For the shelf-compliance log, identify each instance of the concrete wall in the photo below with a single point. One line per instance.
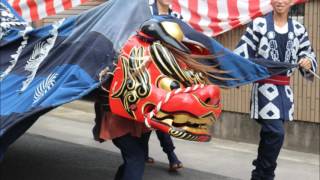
(300, 136)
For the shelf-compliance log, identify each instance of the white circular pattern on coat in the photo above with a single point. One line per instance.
(291, 35)
(271, 34)
(270, 111)
(269, 91)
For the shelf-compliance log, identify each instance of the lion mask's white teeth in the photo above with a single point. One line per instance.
(183, 135)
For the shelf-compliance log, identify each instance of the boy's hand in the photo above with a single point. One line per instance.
(305, 63)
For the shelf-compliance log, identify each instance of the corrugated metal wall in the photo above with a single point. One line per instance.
(307, 95)
(73, 11)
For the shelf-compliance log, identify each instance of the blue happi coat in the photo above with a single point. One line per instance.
(261, 40)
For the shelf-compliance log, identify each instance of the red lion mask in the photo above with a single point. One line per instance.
(151, 86)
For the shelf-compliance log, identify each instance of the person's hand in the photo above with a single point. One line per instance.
(305, 63)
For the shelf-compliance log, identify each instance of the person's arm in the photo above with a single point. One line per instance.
(306, 56)
(248, 44)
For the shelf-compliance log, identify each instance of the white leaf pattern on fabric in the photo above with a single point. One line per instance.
(8, 20)
(40, 52)
(15, 57)
(44, 87)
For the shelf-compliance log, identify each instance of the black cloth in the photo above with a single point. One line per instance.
(133, 153)
(282, 40)
(167, 146)
(165, 142)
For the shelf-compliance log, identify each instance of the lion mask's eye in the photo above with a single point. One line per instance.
(168, 84)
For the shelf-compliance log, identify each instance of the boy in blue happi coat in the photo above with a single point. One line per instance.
(278, 38)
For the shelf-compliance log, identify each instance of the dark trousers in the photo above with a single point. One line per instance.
(2, 151)
(271, 140)
(133, 153)
(167, 147)
(165, 142)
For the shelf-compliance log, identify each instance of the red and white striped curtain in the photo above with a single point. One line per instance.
(32, 10)
(213, 17)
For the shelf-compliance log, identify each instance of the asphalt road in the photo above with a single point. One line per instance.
(59, 146)
(35, 157)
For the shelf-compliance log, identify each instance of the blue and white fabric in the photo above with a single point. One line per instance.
(269, 101)
(43, 68)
